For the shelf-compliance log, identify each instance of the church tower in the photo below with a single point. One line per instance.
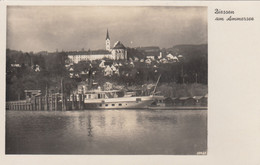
(107, 41)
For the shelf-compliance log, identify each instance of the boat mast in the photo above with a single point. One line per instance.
(156, 84)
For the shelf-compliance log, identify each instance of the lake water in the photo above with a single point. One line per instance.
(130, 132)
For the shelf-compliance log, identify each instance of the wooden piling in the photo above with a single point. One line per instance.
(40, 103)
(46, 99)
(63, 104)
(73, 102)
(50, 103)
(79, 103)
(56, 102)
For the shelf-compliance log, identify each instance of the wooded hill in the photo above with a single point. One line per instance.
(22, 73)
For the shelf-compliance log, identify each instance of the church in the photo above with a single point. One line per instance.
(118, 52)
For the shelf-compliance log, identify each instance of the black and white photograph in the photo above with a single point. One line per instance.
(106, 80)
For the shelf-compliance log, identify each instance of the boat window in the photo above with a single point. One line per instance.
(138, 99)
(100, 105)
(113, 104)
(106, 105)
(120, 104)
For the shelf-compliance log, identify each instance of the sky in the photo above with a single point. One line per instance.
(70, 28)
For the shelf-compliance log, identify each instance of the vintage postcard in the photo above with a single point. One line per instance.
(130, 81)
(98, 80)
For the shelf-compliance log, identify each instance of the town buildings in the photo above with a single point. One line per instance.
(118, 52)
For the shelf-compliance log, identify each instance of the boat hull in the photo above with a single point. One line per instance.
(120, 103)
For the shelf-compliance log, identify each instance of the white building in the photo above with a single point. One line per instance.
(118, 52)
(85, 56)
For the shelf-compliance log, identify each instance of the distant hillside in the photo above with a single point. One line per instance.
(189, 52)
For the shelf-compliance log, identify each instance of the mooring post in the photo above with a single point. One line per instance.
(79, 103)
(83, 98)
(72, 102)
(33, 104)
(65, 102)
(40, 103)
(76, 101)
(56, 102)
(51, 102)
(46, 100)
(63, 108)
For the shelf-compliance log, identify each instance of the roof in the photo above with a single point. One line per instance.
(184, 98)
(33, 91)
(108, 62)
(119, 45)
(197, 97)
(98, 91)
(90, 52)
(170, 55)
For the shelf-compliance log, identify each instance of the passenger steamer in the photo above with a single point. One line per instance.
(119, 100)
(112, 100)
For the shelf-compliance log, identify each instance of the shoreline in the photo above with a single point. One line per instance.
(178, 108)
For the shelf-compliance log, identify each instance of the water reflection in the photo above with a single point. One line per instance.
(163, 119)
(89, 126)
(106, 132)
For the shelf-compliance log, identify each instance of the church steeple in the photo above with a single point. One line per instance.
(107, 35)
(107, 41)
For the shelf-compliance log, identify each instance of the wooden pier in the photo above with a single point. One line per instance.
(51, 102)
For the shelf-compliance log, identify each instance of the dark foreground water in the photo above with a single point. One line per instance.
(107, 132)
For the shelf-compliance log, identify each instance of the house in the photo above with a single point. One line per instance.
(37, 68)
(116, 72)
(115, 64)
(169, 56)
(163, 60)
(108, 71)
(102, 64)
(71, 69)
(172, 58)
(136, 59)
(184, 101)
(132, 64)
(15, 65)
(160, 55)
(113, 68)
(150, 57)
(84, 72)
(148, 61)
